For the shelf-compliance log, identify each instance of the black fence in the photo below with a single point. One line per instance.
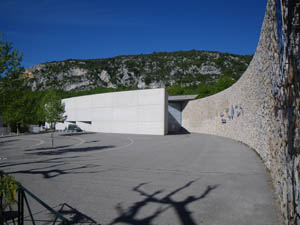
(21, 213)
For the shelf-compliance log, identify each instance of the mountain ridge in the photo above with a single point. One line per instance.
(159, 69)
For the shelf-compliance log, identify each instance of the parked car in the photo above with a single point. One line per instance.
(74, 128)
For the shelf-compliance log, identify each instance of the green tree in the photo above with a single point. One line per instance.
(11, 85)
(223, 83)
(10, 59)
(10, 71)
(18, 112)
(52, 110)
(148, 80)
(205, 90)
(175, 89)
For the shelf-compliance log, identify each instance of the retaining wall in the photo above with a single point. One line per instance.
(262, 108)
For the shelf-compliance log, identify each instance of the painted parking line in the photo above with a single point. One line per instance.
(40, 142)
(81, 141)
(131, 141)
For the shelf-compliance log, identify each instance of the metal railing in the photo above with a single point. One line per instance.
(18, 217)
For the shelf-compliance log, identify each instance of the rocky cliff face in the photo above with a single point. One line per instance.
(140, 71)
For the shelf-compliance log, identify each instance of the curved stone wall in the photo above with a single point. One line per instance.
(262, 108)
(241, 112)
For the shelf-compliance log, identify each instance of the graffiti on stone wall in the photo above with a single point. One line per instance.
(232, 112)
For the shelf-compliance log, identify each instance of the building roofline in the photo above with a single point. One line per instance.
(181, 98)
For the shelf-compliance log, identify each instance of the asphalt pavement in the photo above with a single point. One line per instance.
(141, 179)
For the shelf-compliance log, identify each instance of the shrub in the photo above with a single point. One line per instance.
(8, 191)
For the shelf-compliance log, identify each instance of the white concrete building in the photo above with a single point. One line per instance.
(134, 112)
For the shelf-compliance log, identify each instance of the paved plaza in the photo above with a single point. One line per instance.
(141, 180)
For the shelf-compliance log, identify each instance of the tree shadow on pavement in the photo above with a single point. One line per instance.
(8, 141)
(57, 160)
(92, 141)
(76, 134)
(130, 215)
(47, 148)
(52, 171)
(70, 150)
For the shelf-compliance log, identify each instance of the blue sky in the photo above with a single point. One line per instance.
(49, 30)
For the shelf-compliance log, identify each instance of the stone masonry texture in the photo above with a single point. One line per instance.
(262, 109)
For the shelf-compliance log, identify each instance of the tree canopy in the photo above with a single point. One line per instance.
(12, 98)
(19, 106)
(52, 109)
(10, 59)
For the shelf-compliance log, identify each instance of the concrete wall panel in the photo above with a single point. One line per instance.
(60, 126)
(146, 113)
(125, 127)
(128, 114)
(125, 99)
(83, 114)
(102, 114)
(152, 97)
(101, 100)
(155, 128)
(136, 112)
